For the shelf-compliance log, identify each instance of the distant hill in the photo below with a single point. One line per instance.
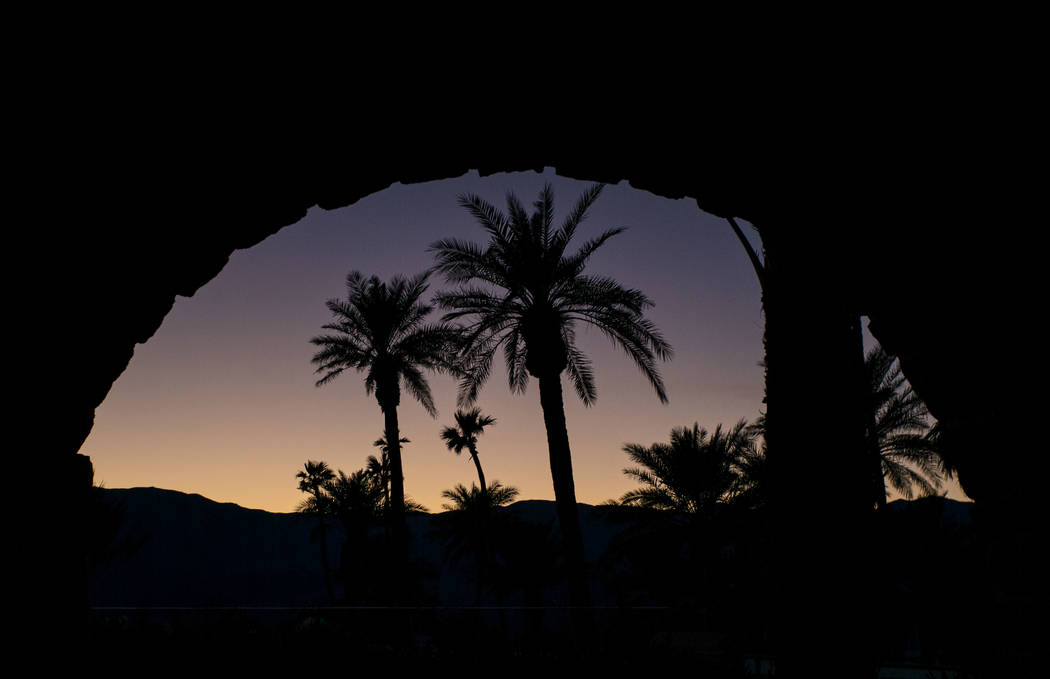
(195, 552)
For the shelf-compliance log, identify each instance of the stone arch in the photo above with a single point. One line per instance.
(168, 225)
(137, 269)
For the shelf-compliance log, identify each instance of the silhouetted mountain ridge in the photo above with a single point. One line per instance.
(196, 552)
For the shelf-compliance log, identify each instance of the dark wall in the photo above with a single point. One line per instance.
(858, 224)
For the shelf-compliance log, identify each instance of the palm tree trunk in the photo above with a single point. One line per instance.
(324, 560)
(880, 486)
(479, 567)
(564, 489)
(481, 474)
(397, 477)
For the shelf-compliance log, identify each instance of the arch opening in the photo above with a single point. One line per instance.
(261, 310)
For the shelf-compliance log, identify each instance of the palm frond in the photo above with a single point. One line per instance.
(581, 374)
(910, 457)
(573, 266)
(577, 214)
(490, 218)
(515, 355)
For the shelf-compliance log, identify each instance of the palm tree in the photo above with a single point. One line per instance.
(355, 499)
(686, 505)
(380, 330)
(752, 468)
(313, 479)
(523, 292)
(694, 473)
(469, 425)
(902, 446)
(379, 467)
(472, 525)
(461, 499)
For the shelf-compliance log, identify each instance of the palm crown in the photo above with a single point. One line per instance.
(694, 472)
(469, 425)
(356, 498)
(380, 329)
(531, 293)
(461, 499)
(314, 476)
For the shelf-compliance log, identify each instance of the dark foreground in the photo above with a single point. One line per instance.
(217, 581)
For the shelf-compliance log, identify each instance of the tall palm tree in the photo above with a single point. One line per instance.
(903, 448)
(380, 329)
(312, 480)
(469, 425)
(525, 292)
(694, 473)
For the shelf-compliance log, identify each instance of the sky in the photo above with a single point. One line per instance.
(222, 400)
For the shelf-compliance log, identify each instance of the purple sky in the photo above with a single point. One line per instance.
(222, 402)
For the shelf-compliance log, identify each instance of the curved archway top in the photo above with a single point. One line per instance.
(234, 202)
(136, 263)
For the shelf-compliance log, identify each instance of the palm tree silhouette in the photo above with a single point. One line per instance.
(380, 330)
(472, 526)
(694, 473)
(313, 479)
(379, 468)
(903, 448)
(355, 499)
(469, 425)
(752, 466)
(530, 296)
(461, 499)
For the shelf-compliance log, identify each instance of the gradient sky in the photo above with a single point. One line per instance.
(222, 402)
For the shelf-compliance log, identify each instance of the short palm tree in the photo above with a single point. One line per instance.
(694, 473)
(752, 468)
(904, 451)
(380, 329)
(355, 499)
(469, 425)
(472, 526)
(461, 499)
(312, 480)
(524, 292)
